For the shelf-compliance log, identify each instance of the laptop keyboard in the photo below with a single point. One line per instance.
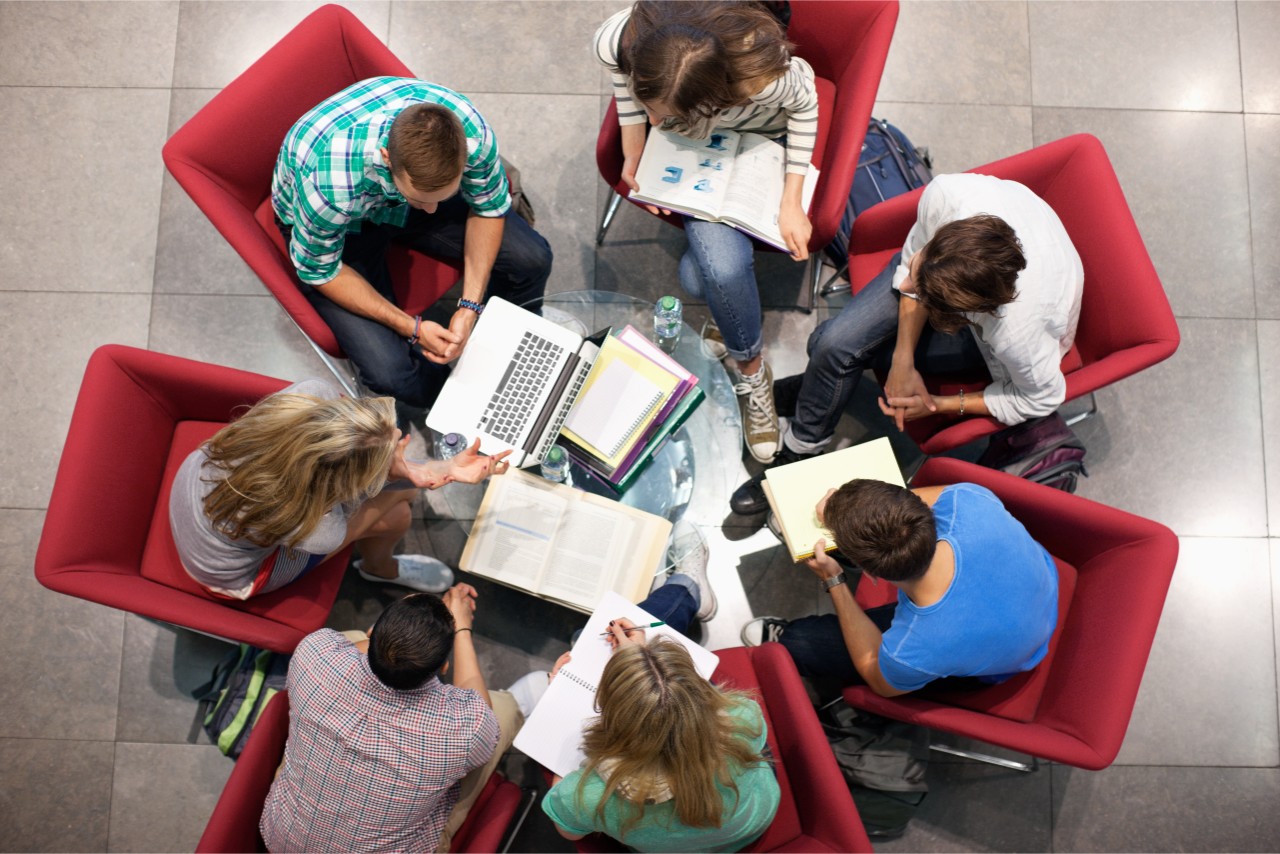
(508, 411)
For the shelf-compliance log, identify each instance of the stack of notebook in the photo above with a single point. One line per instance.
(632, 401)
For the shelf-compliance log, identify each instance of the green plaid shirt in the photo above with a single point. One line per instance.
(330, 175)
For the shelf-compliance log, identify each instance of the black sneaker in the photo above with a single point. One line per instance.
(763, 630)
(748, 499)
(786, 392)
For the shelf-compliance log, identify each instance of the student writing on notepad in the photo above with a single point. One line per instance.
(977, 596)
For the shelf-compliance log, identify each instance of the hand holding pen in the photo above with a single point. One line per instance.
(622, 632)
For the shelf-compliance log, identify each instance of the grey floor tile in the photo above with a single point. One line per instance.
(55, 795)
(640, 256)
(163, 794)
(545, 46)
(1269, 360)
(248, 332)
(733, 556)
(961, 136)
(1137, 436)
(191, 256)
(108, 167)
(46, 365)
(161, 668)
(1201, 251)
(1275, 607)
(558, 171)
(218, 40)
(1135, 55)
(73, 691)
(968, 71)
(66, 44)
(1166, 809)
(1262, 139)
(1216, 634)
(1259, 24)
(974, 807)
(774, 585)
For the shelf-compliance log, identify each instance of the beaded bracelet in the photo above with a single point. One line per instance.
(474, 306)
(417, 327)
(962, 403)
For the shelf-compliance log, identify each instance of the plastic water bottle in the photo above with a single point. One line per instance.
(667, 323)
(555, 465)
(450, 445)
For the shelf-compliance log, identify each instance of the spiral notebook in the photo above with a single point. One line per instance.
(553, 733)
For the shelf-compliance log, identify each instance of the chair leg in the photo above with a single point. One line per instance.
(614, 201)
(530, 797)
(990, 760)
(349, 383)
(830, 287)
(813, 274)
(1087, 413)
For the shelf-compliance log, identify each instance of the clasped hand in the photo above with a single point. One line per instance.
(905, 396)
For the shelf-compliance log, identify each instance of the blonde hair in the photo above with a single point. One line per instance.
(662, 726)
(291, 459)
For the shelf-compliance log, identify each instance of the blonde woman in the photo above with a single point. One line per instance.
(299, 477)
(673, 763)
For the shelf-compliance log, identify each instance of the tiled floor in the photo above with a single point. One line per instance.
(97, 738)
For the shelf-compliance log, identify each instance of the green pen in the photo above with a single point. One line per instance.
(652, 625)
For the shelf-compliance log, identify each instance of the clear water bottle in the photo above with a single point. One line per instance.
(450, 445)
(555, 465)
(667, 323)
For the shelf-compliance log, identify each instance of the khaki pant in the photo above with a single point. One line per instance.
(509, 722)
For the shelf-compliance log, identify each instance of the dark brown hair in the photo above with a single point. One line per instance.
(886, 530)
(701, 57)
(969, 266)
(427, 143)
(411, 641)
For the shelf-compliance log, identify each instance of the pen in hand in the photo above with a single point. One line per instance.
(652, 625)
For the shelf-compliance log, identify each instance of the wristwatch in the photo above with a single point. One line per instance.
(833, 581)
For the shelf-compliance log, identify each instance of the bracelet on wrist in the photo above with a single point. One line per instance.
(417, 328)
(833, 582)
(962, 403)
(463, 629)
(471, 304)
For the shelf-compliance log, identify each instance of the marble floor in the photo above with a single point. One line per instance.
(98, 741)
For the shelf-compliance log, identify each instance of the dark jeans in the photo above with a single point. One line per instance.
(674, 603)
(863, 336)
(386, 362)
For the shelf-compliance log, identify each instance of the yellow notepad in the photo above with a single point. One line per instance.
(794, 490)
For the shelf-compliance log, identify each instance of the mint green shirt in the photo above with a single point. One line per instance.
(744, 818)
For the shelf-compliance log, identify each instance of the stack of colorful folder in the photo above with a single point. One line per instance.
(633, 400)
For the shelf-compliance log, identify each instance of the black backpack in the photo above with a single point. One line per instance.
(884, 762)
(240, 688)
(1043, 450)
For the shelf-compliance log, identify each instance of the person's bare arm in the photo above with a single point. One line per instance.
(461, 602)
(352, 292)
(793, 222)
(904, 381)
(480, 244)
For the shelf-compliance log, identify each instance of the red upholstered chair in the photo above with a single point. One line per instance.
(1114, 570)
(225, 155)
(233, 827)
(816, 812)
(106, 536)
(1126, 323)
(847, 44)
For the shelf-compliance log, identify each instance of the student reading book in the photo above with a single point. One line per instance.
(794, 490)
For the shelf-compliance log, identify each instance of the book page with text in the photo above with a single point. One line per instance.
(515, 528)
(594, 547)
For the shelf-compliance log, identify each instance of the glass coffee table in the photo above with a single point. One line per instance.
(693, 475)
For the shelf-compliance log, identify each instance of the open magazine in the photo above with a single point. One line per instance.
(730, 177)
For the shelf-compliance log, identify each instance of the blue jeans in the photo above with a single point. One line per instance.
(386, 362)
(719, 266)
(861, 336)
(675, 602)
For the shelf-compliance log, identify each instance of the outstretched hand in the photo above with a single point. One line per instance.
(470, 466)
(430, 474)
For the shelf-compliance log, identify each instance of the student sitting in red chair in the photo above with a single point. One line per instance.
(977, 596)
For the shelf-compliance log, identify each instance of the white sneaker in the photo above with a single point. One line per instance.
(690, 554)
(712, 341)
(759, 418)
(417, 572)
(528, 690)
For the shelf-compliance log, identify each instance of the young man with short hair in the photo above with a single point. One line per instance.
(987, 279)
(382, 755)
(400, 160)
(977, 596)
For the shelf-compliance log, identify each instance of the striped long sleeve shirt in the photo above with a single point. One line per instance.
(330, 175)
(787, 105)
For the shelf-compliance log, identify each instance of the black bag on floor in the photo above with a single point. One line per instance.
(240, 688)
(884, 762)
(1043, 450)
(888, 165)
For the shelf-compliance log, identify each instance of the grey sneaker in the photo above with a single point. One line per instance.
(763, 630)
(713, 341)
(690, 554)
(759, 418)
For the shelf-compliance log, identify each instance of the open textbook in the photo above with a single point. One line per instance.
(563, 544)
(795, 489)
(553, 733)
(730, 177)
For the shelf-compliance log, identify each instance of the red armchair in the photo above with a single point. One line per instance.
(847, 44)
(225, 155)
(816, 812)
(1126, 323)
(233, 827)
(106, 536)
(1074, 707)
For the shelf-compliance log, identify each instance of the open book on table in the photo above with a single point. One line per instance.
(563, 544)
(553, 733)
(730, 177)
(795, 489)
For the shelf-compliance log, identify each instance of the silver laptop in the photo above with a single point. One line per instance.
(514, 383)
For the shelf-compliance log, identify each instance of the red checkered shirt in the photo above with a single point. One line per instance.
(366, 767)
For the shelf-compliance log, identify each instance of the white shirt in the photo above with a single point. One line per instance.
(1023, 342)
